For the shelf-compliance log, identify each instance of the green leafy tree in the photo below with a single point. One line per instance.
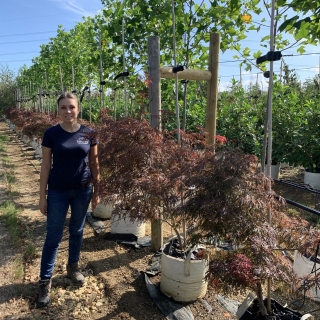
(7, 87)
(240, 118)
(304, 24)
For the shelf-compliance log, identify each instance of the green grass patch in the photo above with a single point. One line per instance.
(12, 192)
(3, 139)
(7, 165)
(10, 177)
(30, 252)
(10, 217)
(18, 268)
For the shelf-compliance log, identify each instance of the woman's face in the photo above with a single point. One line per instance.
(68, 110)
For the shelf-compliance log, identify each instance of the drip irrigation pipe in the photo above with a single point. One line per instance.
(305, 187)
(301, 206)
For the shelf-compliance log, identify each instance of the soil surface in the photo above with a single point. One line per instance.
(115, 281)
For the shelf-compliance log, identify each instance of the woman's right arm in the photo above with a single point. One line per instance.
(44, 176)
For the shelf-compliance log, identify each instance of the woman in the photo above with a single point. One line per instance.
(70, 170)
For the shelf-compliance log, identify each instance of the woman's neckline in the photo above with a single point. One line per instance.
(70, 130)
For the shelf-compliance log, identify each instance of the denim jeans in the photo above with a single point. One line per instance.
(58, 204)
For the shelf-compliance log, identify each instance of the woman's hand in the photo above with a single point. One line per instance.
(94, 200)
(43, 206)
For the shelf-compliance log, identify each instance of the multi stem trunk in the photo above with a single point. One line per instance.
(175, 228)
(262, 309)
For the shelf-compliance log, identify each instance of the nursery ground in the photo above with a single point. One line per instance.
(115, 287)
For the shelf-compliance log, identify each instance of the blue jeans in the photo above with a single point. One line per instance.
(58, 204)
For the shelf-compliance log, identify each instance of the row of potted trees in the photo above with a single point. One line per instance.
(212, 196)
(217, 196)
(295, 122)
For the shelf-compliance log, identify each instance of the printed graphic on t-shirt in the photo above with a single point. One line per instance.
(82, 140)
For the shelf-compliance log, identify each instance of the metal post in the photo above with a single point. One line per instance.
(101, 74)
(176, 74)
(269, 113)
(124, 70)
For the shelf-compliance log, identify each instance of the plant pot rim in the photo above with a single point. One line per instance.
(255, 304)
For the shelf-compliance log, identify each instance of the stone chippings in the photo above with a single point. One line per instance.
(77, 302)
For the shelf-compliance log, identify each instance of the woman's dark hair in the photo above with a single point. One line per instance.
(68, 95)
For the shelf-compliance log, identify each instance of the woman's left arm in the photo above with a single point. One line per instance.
(95, 173)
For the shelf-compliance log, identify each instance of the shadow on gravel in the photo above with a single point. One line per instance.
(143, 302)
(114, 258)
(17, 291)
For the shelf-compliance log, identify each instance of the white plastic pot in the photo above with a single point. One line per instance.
(18, 131)
(103, 211)
(125, 225)
(303, 267)
(34, 143)
(25, 139)
(284, 165)
(38, 152)
(183, 280)
(312, 178)
(275, 170)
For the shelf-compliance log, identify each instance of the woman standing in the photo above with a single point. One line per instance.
(70, 170)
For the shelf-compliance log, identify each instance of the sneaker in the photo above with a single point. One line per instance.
(44, 293)
(75, 275)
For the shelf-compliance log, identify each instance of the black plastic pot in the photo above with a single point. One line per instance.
(278, 312)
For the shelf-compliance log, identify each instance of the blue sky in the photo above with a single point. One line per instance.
(26, 24)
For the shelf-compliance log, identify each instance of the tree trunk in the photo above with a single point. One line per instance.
(262, 308)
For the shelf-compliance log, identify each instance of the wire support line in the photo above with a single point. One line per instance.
(27, 34)
(10, 53)
(16, 42)
(303, 54)
(255, 73)
(16, 60)
(285, 55)
(45, 16)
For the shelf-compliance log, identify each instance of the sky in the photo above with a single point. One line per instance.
(26, 24)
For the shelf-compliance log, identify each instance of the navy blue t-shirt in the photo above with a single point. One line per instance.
(70, 157)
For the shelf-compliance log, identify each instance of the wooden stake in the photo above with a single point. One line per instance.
(115, 104)
(19, 98)
(40, 99)
(61, 79)
(154, 83)
(90, 105)
(155, 121)
(72, 78)
(47, 92)
(212, 88)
